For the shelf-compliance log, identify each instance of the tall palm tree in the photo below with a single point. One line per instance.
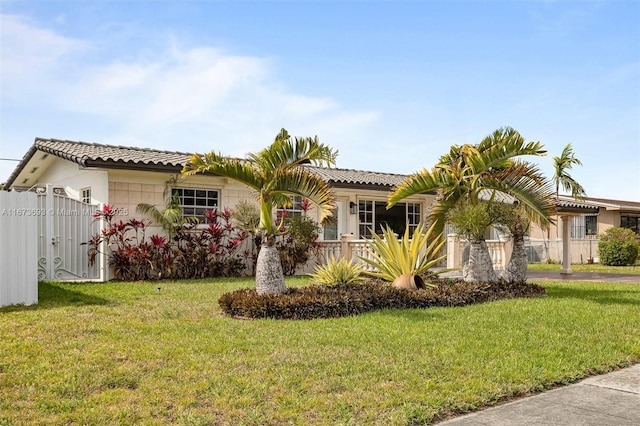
(561, 176)
(490, 169)
(275, 173)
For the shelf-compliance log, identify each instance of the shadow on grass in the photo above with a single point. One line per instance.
(50, 295)
(602, 296)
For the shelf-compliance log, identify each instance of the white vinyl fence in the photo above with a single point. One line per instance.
(18, 248)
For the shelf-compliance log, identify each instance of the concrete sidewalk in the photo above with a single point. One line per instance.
(611, 399)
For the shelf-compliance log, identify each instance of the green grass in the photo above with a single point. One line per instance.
(128, 353)
(585, 267)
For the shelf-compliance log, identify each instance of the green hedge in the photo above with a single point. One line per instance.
(320, 301)
(618, 247)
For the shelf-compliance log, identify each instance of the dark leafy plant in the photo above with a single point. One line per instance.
(618, 247)
(321, 301)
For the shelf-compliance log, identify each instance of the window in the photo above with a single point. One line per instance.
(294, 210)
(630, 221)
(413, 216)
(330, 230)
(577, 227)
(85, 195)
(195, 202)
(373, 215)
(582, 226)
(365, 218)
(591, 225)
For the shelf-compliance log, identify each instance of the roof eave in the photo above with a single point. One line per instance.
(21, 165)
(128, 165)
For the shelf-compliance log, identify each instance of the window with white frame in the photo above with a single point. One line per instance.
(85, 195)
(374, 215)
(195, 202)
(295, 209)
(330, 230)
(413, 216)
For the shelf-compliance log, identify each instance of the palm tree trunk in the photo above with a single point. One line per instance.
(479, 267)
(269, 276)
(516, 271)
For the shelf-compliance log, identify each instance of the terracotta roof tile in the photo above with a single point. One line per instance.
(357, 177)
(82, 152)
(99, 155)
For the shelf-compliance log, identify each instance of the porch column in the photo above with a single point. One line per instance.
(453, 252)
(345, 248)
(566, 245)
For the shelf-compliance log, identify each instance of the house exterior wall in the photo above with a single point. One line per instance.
(608, 219)
(124, 189)
(72, 178)
(128, 188)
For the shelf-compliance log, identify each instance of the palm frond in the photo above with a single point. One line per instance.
(243, 171)
(419, 183)
(300, 181)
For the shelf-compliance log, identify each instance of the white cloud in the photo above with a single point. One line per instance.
(28, 51)
(180, 98)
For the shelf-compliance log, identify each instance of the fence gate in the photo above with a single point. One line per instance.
(64, 225)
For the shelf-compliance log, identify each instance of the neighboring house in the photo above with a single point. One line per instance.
(588, 218)
(126, 176)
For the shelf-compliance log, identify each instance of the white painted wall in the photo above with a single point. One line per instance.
(19, 216)
(73, 178)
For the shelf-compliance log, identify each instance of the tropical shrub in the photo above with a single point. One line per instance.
(338, 271)
(321, 301)
(297, 242)
(194, 251)
(415, 256)
(618, 247)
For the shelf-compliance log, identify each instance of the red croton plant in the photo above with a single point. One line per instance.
(211, 249)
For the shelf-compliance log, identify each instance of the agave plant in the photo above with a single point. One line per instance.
(337, 271)
(414, 256)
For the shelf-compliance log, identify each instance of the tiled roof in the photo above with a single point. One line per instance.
(356, 177)
(601, 202)
(618, 203)
(572, 205)
(83, 153)
(111, 156)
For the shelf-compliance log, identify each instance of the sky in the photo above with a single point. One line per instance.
(390, 84)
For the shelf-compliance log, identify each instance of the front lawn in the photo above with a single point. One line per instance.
(585, 267)
(163, 353)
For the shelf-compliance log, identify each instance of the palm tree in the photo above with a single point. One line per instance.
(275, 173)
(561, 177)
(490, 169)
(170, 218)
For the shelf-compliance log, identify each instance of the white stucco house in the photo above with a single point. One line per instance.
(123, 177)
